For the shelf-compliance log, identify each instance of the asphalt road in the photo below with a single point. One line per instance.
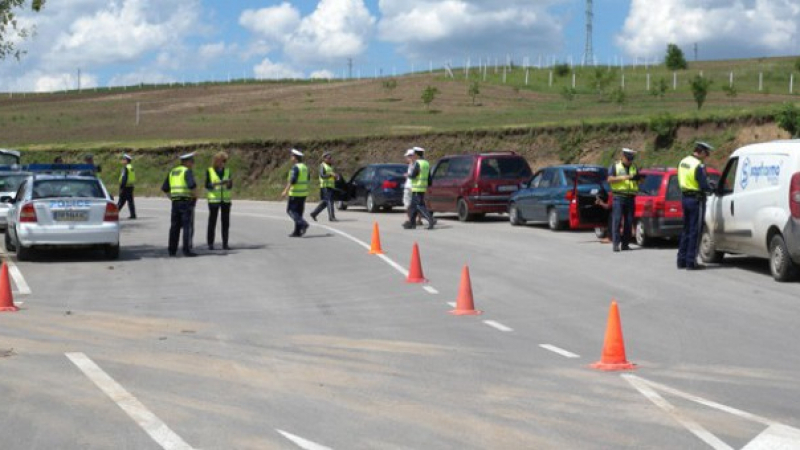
(313, 343)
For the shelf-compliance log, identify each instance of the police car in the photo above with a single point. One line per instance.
(10, 180)
(62, 208)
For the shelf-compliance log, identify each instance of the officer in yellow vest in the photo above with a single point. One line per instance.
(181, 188)
(624, 178)
(218, 186)
(127, 180)
(297, 188)
(327, 184)
(420, 177)
(694, 185)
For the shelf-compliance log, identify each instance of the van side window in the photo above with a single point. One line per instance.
(459, 168)
(548, 179)
(728, 181)
(673, 189)
(440, 172)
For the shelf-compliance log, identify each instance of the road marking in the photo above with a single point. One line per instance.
(13, 270)
(430, 290)
(452, 304)
(498, 326)
(775, 437)
(151, 424)
(560, 351)
(695, 428)
(302, 443)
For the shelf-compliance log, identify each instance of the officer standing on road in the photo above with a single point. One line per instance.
(127, 180)
(297, 190)
(623, 176)
(693, 181)
(327, 183)
(181, 188)
(420, 177)
(218, 185)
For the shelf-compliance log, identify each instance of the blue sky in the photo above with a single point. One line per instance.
(119, 42)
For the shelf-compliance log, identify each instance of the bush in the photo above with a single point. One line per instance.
(568, 93)
(788, 118)
(429, 95)
(700, 87)
(389, 85)
(562, 70)
(474, 91)
(665, 127)
(797, 64)
(675, 59)
(660, 89)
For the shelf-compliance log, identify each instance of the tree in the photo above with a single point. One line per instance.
(429, 95)
(700, 87)
(602, 81)
(675, 59)
(9, 25)
(474, 91)
(619, 97)
(568, 93)
(389, 85)
(660, 89)
(562, 70)
(730, 91)
(788, 118)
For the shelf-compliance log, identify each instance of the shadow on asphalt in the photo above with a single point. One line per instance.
(129, 253)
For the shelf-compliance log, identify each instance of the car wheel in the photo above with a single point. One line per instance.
(552, 220)
(463, 211)
(600, 232)
(708, 251)
(642, 240)
(371, 206)
(514, 217)
(111, 252)
(9, 245)
(341, 205)
(780, 263)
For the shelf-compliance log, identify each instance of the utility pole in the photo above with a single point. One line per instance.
(588, 52)
(350, 68)
(79, 80)
(695, 52)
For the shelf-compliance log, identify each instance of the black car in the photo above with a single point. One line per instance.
(375, 186)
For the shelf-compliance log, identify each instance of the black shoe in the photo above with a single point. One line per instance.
(295, 235)
(314, 216)
(189, 254)
(695, 267)
(625, 248)
(303, 230)
(132, 218)
(681, 266)
(333, 219)
(431, 224)
(211, 246)
(172, 254)
(409, 226)
(225, 247)
(616, 249)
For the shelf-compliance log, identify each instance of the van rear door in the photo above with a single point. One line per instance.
(720, 209)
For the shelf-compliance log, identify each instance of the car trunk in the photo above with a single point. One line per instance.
(69, 211)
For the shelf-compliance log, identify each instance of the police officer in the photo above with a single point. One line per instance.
(419, 176)
(694, 185)
(181, 188)
(623, 176)
(127, 180)
(327, 184)
(297, 190)
(218, 186)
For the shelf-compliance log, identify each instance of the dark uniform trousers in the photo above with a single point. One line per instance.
(213, 212)
(692, 218)
(126, 196)
(326, 194)
(622, 208)
(181, 219)
(418, 207)
(295, 208)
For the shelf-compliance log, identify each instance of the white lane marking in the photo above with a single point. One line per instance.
(385, 258)
(560, 351)
(302, 443)
(694, 427)
(776, 437)
(498, 326)
(430, 290)
(13, 270)
(452, 304)
(151, 424)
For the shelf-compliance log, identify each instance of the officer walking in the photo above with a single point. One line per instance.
(693, 181)
(127, 180)
(218, 186)
(623, 176)
(297, 190)
(181, 188)
(419, 176)
(327, 183)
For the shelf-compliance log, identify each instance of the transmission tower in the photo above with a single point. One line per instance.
(588, 52)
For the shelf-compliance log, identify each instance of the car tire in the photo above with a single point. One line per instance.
(341, 205)
(642, 240)
(552, 220)
(111, 252)
(514, 216)
(707, 249)
(780, 261)
(463, 211)
(9, 245)
(371, 206)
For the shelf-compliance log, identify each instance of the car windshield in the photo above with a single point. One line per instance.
(7, 159)
(10, 183)
(585, 176)
(391, 171)
(505, 168)
(651, 184)
(67, 188)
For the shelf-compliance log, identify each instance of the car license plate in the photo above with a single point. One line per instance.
(70, 216)
(507, 188)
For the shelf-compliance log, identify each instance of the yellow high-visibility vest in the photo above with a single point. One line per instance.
(178, 188)
(626, 187)
(686, 174)
(219, 193)
(327, 181)
(420, 183)
(300, 187)
(131, 176)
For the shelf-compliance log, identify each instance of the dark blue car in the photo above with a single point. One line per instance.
(548, 196)
(375, 186)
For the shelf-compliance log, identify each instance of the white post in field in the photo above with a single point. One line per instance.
(791, 84)
(505, 71)
(551, 78)
(674, 81)
(760, 81)
(573, 80)
(527, 76)
(648, 82)
(622, 83)
(137, 113)
(730, 81)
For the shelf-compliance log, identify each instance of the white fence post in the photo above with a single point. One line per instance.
(622, 84)
(791, 84)
(760, 81)
(527, 76)
(648, 81)
(573, 80)
(505, 71)
(551, 78)
(137, 113)
(674, 81)
(730, 83)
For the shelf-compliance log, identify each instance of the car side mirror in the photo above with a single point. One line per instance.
(7, 199)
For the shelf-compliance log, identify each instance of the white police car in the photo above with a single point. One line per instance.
(62, 211)
(10, 181)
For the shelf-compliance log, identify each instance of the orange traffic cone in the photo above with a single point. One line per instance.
(465, 306)
(6, 299)
(614, 347)
(375, 248)
(415, 271)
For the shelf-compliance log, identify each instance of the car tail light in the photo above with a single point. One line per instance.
(647, 209)
(28, 213)
(112, 213)
(659, 208)
(389, 184)
(794, 196)
(475, 190)
(570, 195)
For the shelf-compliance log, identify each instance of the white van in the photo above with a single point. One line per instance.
(755, 209)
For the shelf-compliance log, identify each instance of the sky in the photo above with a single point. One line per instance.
(124, 42)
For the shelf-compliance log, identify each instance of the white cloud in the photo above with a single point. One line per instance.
(143, 76)
(63, 81)
(276, 71)
(722, 29)
(322, 75)
(274, 23)
(455, 28)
